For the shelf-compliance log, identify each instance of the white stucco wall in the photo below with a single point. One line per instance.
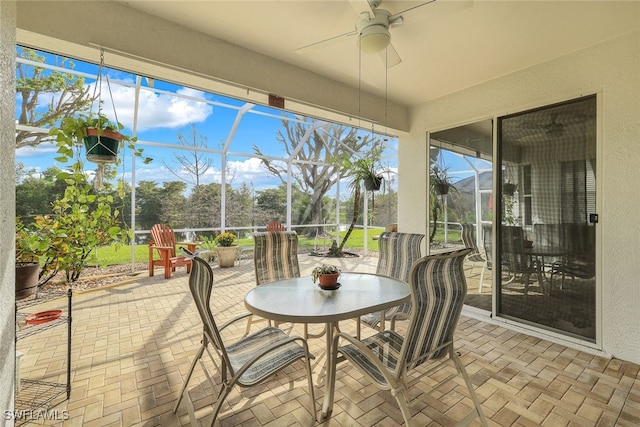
(612, 71)
(7, 207)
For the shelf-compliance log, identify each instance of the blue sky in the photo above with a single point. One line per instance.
(162, 116)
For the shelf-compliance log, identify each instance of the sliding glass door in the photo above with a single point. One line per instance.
(545, 232)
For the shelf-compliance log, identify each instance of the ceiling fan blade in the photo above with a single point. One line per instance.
(396, 15)
(390, 56)
(327, 42)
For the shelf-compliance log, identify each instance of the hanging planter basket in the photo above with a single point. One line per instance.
(508, 189)
(373, 183)
(441, 189)
(102, 148)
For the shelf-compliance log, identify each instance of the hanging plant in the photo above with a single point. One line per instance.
(101, 137)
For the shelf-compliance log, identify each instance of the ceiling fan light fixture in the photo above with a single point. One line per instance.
(374, 39)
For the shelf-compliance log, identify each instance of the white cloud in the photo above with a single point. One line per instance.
(249, 171)
(154, 110)
(42, 149)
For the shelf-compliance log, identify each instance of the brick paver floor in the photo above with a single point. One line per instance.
(133, 344)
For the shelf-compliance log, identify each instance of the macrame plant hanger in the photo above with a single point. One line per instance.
(102, 144)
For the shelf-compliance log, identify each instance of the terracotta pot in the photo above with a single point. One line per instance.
(328, 280)
(26, 278)
(226, 256)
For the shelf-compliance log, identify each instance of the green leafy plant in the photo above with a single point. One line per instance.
(361, 170)
(207, 242)
(73, 130)
(323, 269)
(81, 220)
(440, 185)
(84, 217)
(226, 239)
(30, 244)
(365, 170)
(440, 180)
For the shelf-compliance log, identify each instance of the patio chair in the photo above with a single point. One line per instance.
(579, 261)
(397, 252)
(487, 244)
(246, 362)
(389, 360)
(275, 257)
(276, 226)
(516, 262)
(163, 241)
(469, 241)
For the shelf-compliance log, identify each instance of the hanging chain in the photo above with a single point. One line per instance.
(98, 88)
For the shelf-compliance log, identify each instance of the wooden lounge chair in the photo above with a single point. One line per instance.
(163, 241)
(276, 226)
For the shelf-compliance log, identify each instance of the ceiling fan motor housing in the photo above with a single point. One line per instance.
(373, 33)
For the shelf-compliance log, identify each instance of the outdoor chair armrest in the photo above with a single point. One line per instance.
(398, 316)
(160, 247)
(365, 351)
(233, 320)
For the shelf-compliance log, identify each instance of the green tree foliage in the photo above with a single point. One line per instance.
(81, 220)
(64, 95)
(35, 192)
(239, 204)
(271, 205)
(148, 204)
(172, 205)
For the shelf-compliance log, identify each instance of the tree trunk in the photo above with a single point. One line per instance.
(434, 214)
(356, 213)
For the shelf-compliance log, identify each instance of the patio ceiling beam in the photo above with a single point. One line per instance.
(68, 28)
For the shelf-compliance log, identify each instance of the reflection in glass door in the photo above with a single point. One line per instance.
(546, 228)
(464, 216)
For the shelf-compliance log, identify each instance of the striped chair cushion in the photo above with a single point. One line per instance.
(242, 351)
(438, 288)
(469, 241)
(275, 256)
(398, 252)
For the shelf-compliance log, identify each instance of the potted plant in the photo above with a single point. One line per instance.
(208, 244)
(509, 188)
(365, 170)
(30, 245)
(441, 185)
(440, 181)
(227, 249)
(327, 276)
(101, 137)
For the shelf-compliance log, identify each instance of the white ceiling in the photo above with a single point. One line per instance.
(445, 46)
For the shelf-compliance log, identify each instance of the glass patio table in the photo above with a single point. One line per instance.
(299, 300)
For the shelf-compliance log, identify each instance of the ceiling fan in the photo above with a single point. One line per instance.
(553, 129)
(371, 31)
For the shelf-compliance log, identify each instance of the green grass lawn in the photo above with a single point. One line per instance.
(109, 255)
